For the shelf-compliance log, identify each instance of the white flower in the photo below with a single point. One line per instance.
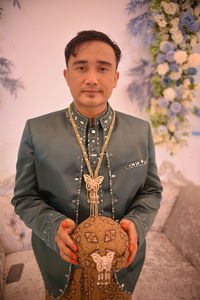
(170, 8)
(193, 40)
(160, 19)
(194, 60)
(197, 11)
(180, 57)
(162, 69)
(175, 75)
(177, 37)
(169, 94)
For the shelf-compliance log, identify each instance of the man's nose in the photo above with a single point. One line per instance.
(91, 77)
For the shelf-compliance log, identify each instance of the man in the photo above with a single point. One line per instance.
(50, 192)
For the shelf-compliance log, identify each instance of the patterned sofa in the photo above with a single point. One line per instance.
(172, 267)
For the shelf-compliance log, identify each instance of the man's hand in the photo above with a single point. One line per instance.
(129, 227)
(64, 242)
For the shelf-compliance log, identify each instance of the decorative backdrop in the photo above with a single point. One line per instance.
(166, 86)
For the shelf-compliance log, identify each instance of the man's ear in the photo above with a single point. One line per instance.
(116, 79)
(66, 75)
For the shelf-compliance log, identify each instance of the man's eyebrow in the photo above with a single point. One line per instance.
(77, 62)
(102, 62)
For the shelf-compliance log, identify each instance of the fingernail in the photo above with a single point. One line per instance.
(64, 224)
(124, 226)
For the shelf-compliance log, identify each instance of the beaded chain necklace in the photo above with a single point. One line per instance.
(92, 180)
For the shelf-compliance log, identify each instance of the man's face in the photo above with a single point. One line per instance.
(91, 75)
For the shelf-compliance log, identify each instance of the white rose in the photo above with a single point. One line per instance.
(197, 11)
(194, 60)
(180, 57)
(177, 37)
(175, 75)
(170, 8)
(162, 69)
(169, 94)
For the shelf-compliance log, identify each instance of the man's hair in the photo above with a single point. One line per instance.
(87, 36)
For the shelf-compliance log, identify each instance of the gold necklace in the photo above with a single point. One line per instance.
(92, 180)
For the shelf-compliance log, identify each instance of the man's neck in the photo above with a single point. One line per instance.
(91, 112)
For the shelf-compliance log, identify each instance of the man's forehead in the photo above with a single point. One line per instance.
(98, 48)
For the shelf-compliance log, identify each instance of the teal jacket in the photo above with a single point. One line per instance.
(49, 185)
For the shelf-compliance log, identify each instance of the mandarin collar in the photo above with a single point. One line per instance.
(82, 122)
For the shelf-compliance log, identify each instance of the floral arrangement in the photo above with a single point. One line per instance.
(165, 86)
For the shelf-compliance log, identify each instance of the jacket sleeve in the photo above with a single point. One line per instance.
(146, 203)
(29, 205)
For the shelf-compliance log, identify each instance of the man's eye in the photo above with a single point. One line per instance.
(81, 68)
(103, 69)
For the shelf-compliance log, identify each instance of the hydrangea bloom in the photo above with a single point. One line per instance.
(188, 21)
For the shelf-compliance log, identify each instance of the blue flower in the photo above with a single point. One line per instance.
(163, 102)
(173, 66)
(170, 56)
(192, 71)
(175, 107)
(166, 81)
(160, 58)
(188, 21)
(167, 46)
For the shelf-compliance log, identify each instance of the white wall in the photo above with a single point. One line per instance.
(34, 39)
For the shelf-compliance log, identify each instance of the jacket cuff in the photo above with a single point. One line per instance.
(139, 226)
(52, 223)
